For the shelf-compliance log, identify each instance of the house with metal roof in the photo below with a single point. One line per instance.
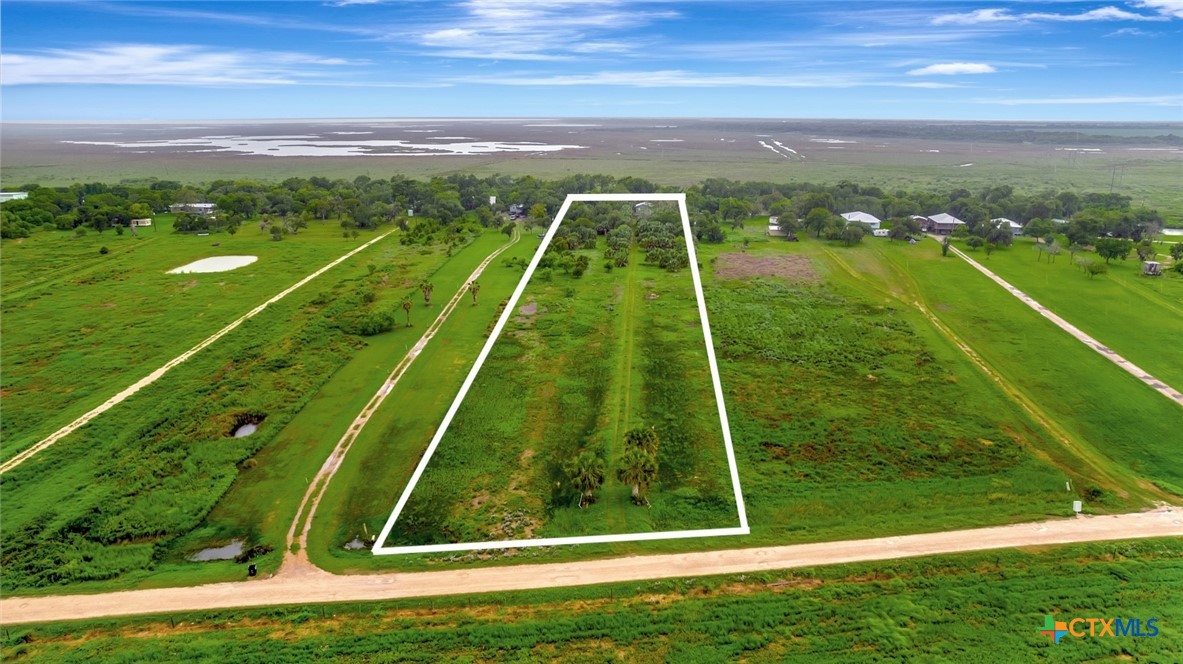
(870, 220)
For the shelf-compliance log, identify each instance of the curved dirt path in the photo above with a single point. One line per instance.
(296, 562)
(314, 586)
(156, 375)
(1106, 352)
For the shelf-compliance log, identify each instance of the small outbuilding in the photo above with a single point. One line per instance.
(1151, 269)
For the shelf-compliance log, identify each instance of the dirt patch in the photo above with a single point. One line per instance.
(528, 309)
(745, 266)
(651, 296)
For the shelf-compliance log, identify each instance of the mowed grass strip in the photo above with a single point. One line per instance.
(972, 607)
(1111, 418)
(79, 326)
(1141, 318)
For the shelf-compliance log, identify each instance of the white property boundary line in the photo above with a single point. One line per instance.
(743, 529)
(155, 375)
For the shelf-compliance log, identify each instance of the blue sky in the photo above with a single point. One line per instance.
(1046, 60)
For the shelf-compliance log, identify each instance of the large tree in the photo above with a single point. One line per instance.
(818, 219)
(1110, 248)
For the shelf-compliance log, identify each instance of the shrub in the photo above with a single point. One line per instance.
(104, 251)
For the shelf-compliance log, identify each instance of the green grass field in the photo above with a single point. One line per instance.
(79, 326)
(1123, 432)
(853, 413)
(107, 506)
(985, 607)
(582, 361)
(1139, 317)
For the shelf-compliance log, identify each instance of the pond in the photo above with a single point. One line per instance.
(245, 430)
(226, 552)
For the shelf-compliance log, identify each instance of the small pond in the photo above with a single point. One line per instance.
(244, 430)
(227, 552)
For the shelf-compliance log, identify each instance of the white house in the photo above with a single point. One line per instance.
(140, 222)
(13, 195)
(1015, 227)
(775, 229)
(870, 220)
(880, 232)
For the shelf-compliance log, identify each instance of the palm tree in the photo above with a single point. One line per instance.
(642, 439)
(638, 468)
(587, 474)
(474, 287)
(426, 286)
(407, 308)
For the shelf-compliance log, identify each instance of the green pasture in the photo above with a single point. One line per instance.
(262, 502)
(80, 326)
(1139, 317)
(1106, 423)
(601, 354)
(852, 415)
(987, 606)
(108, 506)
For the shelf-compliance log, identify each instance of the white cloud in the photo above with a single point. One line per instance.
(678, 78)
(538, 29)
(1166, 7)
(152, 64)
(951, 68)
(988, 16)
(1151, 100)
(350, 3)
(1127, 32)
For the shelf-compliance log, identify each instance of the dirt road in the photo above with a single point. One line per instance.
(156, 375)
(1106, 352)
(311, 585)
(316, 489)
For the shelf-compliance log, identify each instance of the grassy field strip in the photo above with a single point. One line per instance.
(1158, 386)
(316, 488)
(1032, 408)
(155, 375)
(317, 586)
(623, 384)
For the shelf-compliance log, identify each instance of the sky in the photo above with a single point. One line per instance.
(1120, 60)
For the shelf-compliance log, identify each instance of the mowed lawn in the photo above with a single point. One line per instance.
(1106, 423)
(79, 326)
(1139, 317)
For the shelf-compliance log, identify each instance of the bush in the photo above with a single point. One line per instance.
(104, 251)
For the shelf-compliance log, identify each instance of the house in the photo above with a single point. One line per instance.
(941, 224)
(870, 220)
(13, 195)
(192, 208)
(1059, 221)
(775, 229)
(139, 222)
(1015, 227)
(517, 211)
